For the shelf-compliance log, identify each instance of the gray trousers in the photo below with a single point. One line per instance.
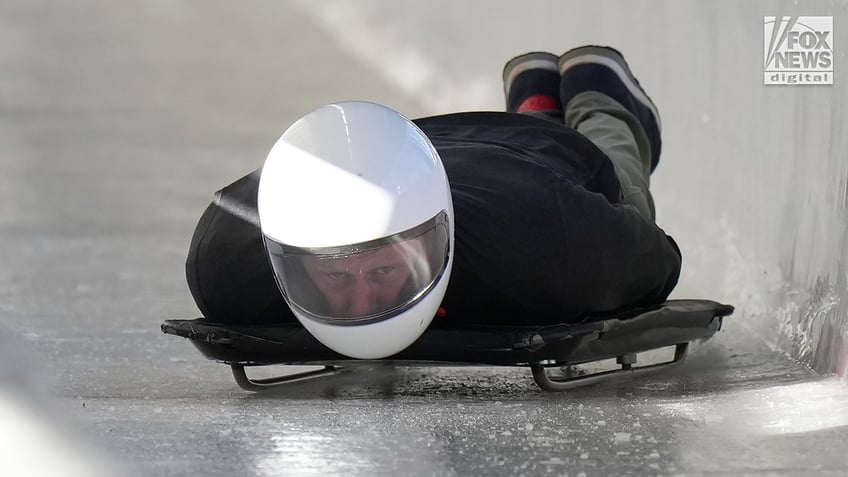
(618, 133)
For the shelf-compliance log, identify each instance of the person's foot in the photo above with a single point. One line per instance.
(531, 84)
(603, 69)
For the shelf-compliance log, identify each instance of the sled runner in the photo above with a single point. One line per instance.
(546, 349)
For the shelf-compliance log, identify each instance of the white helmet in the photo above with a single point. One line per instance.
(357, 218)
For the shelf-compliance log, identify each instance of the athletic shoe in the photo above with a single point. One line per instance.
(603, 69)
(531, 84)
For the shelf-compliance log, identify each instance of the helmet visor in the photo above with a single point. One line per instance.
(366, 282)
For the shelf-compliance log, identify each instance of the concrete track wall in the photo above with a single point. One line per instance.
(754, 179)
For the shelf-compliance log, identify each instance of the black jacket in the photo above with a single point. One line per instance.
(540, 234)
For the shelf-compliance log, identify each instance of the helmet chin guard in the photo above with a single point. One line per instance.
(356, 213)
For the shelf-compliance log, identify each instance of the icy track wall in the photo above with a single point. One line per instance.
(753, 181)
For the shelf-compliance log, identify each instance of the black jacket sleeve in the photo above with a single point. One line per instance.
(227, 269)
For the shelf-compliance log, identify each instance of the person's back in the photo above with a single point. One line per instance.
(542, 235)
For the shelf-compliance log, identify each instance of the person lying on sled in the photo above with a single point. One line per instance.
(366, 226)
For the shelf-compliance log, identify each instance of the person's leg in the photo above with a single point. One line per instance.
(616, 132)
(531, 86)
(604, 102)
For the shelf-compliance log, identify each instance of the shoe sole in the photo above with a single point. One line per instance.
(526, 62)
(614, 61)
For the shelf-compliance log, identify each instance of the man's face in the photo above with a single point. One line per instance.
(362, 284)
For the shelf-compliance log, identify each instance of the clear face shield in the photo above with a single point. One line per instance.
(366, 282)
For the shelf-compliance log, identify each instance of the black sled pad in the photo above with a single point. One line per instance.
(621, 336)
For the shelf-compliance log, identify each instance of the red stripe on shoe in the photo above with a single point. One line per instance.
(539, 102)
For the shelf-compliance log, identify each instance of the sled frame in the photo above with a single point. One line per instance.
(251, 384)
(560, 356)
(627, 370)
(540, 371)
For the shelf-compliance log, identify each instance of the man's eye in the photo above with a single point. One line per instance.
(338, 276)
(384, 270)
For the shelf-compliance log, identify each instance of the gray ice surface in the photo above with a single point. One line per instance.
(118, 120)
